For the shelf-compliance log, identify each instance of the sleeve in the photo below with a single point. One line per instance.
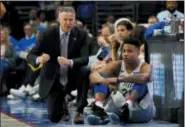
(160, 16)
(36, 51)
(83, 59)
(150, 31)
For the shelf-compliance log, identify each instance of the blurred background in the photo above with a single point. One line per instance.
(92, 14)
(164, 46)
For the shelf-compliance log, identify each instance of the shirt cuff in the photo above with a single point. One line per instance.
(22, 54)
(72, 63)
(37, 61)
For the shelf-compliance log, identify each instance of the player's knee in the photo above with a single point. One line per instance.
(139, 87)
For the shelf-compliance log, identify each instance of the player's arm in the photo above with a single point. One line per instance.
(110, 68)
(142, 78)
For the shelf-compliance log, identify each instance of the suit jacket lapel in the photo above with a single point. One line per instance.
(71, 42)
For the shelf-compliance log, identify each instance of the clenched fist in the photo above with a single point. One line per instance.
(102, 41)
(43, 58)
(63, 61)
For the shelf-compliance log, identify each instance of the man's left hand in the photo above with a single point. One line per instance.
(63, 61)
(108, 81)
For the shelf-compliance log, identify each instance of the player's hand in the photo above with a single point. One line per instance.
(95, 77)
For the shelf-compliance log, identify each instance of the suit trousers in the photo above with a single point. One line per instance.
(31, 76)
(78, 78)
(55, 102)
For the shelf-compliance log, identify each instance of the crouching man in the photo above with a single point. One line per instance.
(132, 100)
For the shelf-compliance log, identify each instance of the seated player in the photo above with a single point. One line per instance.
(132, 100)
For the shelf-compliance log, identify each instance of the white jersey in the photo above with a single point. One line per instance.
(118, 98)
(123, 87)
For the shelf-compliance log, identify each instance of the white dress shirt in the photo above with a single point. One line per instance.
(61, 32)
(162, 16)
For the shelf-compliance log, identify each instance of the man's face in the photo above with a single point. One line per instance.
(111, 19)
(122, 32)
(67, 21)
(33, 14)
(152, 21)
(105, 32)
(130, 53)
(43, 16)
(28, 30)
(171, 5)
(2, 36)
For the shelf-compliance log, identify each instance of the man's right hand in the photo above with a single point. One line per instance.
(112, 38)
(43, 58)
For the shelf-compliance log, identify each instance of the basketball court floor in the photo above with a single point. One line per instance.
(18, 113)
